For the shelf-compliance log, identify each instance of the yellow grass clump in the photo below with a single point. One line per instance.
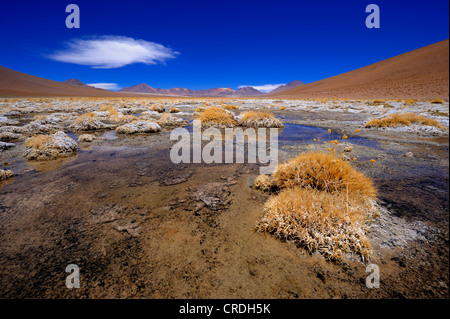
(5, 174)
(88, 121)
(264, 183)
(318, 221)
(410, 101)
(217, 117)
(86, 116)
(38, 142)
(157, 108)
(117, 117)
(48, 147)
(106, 107)
(437, 101)
(324, 205)
(324, 172)
(230, 107)
(259, 119)
(403, 119)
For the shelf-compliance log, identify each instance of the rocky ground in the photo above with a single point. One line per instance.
(139, 226)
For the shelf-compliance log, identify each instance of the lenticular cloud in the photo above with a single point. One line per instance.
(108, 52)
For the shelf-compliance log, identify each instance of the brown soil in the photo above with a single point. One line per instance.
(139, 226)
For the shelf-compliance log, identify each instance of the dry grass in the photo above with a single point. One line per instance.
(318, 221)
(218, 117)
(174, 110)
(259, 119)
(106, 107)
(324, 172)
(38, 142)
(409, 102)
(403, 119)
(5, 174)
(86, 116)
(157, 108)
(230, 107)
(88, 121)
(264, 183)
(437, 101)
(49, 147)
(117, 117)
(171, 121)
(324, 205)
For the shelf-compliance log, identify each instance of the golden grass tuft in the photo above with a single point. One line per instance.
(230, 107)
(324, 205)
(106, 107)
(409, 102)
(324, 172)
(38, 142)
(437, 101)
(118, 117)
(319, 221)
(216, 116)
(403, 119)
(260, 119)
(91, 116)
(157, 108)
(264, 183)
(5, 174)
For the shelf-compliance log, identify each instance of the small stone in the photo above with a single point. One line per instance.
(408, 154)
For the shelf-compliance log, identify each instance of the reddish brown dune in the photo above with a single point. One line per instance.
(422, 74)
(14, 83)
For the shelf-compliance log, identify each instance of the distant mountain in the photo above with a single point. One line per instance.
(215, 92)
(76, 82)
(180, 91)
(290, 85)
(247, 91)
(143, 88)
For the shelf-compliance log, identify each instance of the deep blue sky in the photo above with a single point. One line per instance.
(221, 43)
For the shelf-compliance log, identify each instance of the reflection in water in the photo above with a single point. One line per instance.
(307, 134)
(109, 135)
(6, 182)
(47, 166)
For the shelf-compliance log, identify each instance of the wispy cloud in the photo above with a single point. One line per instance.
(106, 86)
(108, 52)
(264, 88)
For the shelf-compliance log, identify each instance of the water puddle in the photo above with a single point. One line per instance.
(307, 134)
(109, 135)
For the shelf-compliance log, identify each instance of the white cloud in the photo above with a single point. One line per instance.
(106, 86)
(107, 52)
(266, 88)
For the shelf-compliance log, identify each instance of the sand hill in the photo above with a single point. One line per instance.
(14, 83)
(422, 73)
